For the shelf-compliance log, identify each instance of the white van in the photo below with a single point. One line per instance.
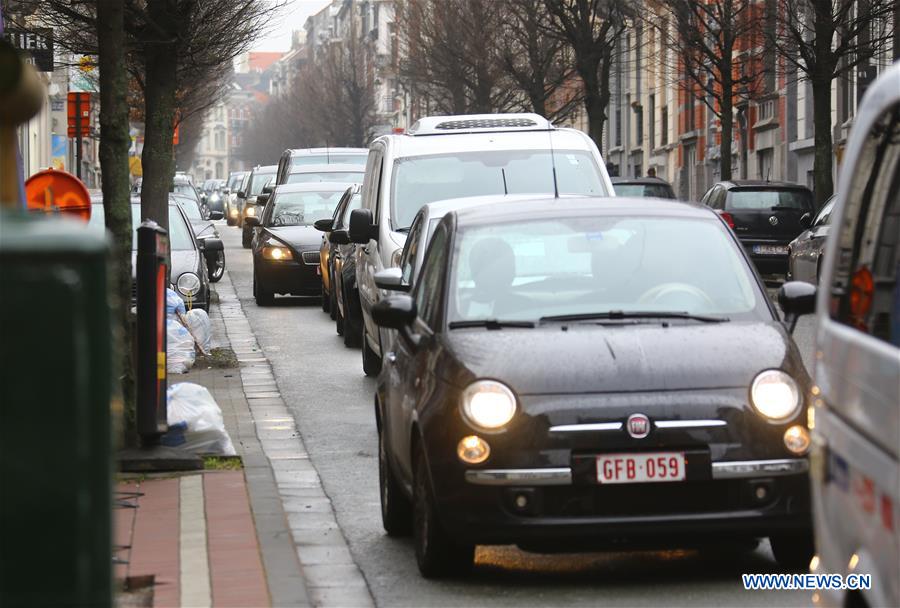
(444, 157)
(855, 415)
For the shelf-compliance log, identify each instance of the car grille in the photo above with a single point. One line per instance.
(311, 258)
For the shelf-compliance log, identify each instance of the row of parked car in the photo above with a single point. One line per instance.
(558, 367)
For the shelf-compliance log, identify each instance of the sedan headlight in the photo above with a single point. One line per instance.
(488, 405)
(775, 395)
(188, 284)
(277, 253)
(250, 210)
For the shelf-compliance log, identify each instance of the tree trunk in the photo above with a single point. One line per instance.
(158, 158)
(114, 144)
(593, 100)
(823, 160)
(727, 117)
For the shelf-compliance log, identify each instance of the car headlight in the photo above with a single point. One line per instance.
(395, 257)
(233, 211)
(488, 404)
(775, 395)
(188, 284)
(250, 210)
(277, 253)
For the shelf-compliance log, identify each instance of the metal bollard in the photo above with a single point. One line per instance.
(152, 275)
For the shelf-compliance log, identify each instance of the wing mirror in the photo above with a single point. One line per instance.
(241, 194)
(390, 279)
(339, 237)
(262, 199)
(796, 298)
(211, 245)
(216, 215)
(268, 188)
(362, 228)
(251, 220)
(806, 220)
(323, 225)
(395, 312)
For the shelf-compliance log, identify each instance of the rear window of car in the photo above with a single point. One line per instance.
(762, 199)
(653, 190)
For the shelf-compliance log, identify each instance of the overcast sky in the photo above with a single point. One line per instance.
(291, 17)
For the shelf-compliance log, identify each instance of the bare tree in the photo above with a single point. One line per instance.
(591, 29)
(716, 44)
(823, 40)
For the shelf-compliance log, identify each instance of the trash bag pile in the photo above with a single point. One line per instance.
(183, 331)
(195, 421)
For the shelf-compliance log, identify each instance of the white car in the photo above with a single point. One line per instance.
(855, 417)
(446, 157)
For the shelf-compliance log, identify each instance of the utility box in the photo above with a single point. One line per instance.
(56, 384)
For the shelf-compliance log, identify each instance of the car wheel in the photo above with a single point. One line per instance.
(326, 300)
(352, 329)
(217, 268)
(246, 237)
(332, 301)
(793, 551)
(396, 510)
(339, 324)
(436, 554)
(371, 361)
(263, 297)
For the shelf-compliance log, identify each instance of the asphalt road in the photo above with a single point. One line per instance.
(323, 384)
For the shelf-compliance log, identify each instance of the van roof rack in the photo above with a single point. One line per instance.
(479, 123)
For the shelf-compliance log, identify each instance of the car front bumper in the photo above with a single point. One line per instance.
(290, 277)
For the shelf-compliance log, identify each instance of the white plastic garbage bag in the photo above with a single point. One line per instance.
(192, 409)
(179, 348)
(174, 303)
(198, 322)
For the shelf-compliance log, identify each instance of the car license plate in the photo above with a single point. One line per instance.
(640, 468)
(770, 250)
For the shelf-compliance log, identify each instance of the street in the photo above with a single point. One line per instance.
(324, 386)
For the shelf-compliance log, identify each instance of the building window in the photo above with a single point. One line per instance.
(664, 126)
(618, 125)
(220, 139)
(220, 171)
(652, 124)
(639, 117)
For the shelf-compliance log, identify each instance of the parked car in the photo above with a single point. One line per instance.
(286, 246)
(326, 250)
(325, 173)
(643, 186)
(257, 179)
(232, 206)
(457, 156)
(856, 451)
(292, 159)
(203, 229)
(187, 274)
(215, 199)
(766, 216)
(805, 252)
(538, 391)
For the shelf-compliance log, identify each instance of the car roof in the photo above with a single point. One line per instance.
(313, 187)
(332, 168)
(639, 180)
(335, 151)
(504, 210)
(759, 183)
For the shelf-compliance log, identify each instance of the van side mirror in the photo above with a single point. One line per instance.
(262, 199)
(796, 298)
(339, 237)
(362, 229)
(241, 194)
(390, 279)
(806, 220)
(268, 188)
(395, 312)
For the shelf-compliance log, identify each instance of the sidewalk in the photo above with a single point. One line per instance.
(263, 535)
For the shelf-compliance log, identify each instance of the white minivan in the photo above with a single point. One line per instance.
(855, 417)
(444, 157)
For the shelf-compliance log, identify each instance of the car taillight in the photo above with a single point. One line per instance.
(727, 218)
(862, 288)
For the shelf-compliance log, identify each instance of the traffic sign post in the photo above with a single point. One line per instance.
(79, 115)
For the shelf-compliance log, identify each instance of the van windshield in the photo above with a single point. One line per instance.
(425, 179)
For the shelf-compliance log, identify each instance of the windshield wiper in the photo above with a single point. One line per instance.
(490, 324)
(622, 314)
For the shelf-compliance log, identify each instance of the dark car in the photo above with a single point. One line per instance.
(258, 178)
(232, 208)
(642, 186)
(203, 229)
(805, 252)
(187, 274)
(587, 373)
(338, 264)
(765, 216)
(326, 173)
(215, 197)
(286, 245)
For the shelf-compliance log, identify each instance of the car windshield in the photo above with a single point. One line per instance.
(302, 208)
(179, 231)
(526, 270)
(329, 159)
(654, 190)
(337, 176)
(425, 179)
(184, 189)
(747, 199)
(258, 181)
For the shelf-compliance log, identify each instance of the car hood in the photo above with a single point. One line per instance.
(296, 236)
(183, 260)
(598, 359)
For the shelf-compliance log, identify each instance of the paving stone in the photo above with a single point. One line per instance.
(307, 521)
(325, 554)
(333, 575)
(347, 597)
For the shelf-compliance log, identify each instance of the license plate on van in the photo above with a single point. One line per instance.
(770, 250)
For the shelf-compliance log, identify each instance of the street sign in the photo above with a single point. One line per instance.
(37, 45)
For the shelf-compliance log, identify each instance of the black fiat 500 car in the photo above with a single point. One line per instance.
(286, 244)
(586, 373)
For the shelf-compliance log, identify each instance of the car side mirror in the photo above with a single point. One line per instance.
(362, 229)
(241, 194)
(251, 220)
(262, 199)
(390, 279)
(268, 188)
(796, 298)
(806, 220)
(395, 312)
(216, 215)
(212, 245)
(323, 225)
(339, 237)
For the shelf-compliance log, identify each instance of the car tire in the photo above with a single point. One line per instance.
(339, 324)
(326, 300)
(793, 551)
(371, 361)
(217, 268)
(396, 509)
(332, 301)
(246, 237)
(263, 297)
(352, 329)
(436, 554)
